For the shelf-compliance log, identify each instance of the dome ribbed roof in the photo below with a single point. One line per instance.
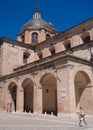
(37, 23)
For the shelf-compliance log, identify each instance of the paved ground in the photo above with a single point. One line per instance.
(20, 121)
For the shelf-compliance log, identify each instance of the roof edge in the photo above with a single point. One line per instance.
(15, 42)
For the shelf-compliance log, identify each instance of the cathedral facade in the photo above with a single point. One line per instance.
(45, 71)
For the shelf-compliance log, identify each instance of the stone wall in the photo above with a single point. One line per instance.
(12, 57)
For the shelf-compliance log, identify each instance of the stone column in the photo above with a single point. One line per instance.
(37, 96)
(60, 105)
(72, 90)
(61, 92)
(35, 100)
(20, 97)
(40, 105)
(20, 100)
(65, 90)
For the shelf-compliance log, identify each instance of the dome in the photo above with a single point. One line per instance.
(37, 23)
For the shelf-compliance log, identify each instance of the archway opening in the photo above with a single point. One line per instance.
(13, 96)
(49, 94)
(23, 38)
(28, 95)
(40, 55)
(47, 36)
(26, 55)
(67, 44)
(85, 37)
(83, 91)
(52, 50)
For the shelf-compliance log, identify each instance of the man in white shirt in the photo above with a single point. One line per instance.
(82, 116)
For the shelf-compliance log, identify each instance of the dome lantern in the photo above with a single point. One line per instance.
(37, 14)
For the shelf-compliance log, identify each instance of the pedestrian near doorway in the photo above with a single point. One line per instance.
(81, 115)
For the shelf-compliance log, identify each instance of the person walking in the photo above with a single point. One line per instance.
(81, 116)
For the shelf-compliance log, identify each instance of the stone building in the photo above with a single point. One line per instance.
(45, 71)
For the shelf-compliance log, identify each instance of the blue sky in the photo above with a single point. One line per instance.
(62, 13)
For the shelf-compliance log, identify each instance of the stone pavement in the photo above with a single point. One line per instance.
(28, 121)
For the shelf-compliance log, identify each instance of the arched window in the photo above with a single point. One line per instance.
(47, 36)
(52, 50)
(85, 37)
(67, 44)
(34, 37)
(40, 55)
(23, 38)
(25, 57)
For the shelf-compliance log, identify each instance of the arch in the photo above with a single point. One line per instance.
(85, 37)
(28, 89)
(34, 37)
(47, 36)
(26, 55)
(83, 91)
(67, 44)
(23, 38)
(52, 50)
(12, 88)
(49, 93)
(40, 55)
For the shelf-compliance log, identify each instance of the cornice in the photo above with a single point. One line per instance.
(46, 64)
(16, 43)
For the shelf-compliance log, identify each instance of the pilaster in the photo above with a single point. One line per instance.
(37, 96)
(72, 90)
(20, 98)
